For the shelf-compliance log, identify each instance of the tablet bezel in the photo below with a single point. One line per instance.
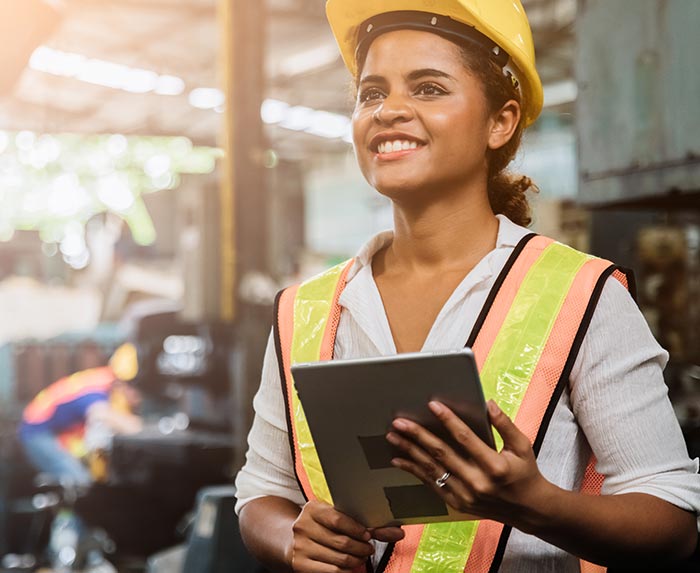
(351, 403)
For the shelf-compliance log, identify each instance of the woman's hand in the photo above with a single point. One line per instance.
(328, 541)
(502, 486)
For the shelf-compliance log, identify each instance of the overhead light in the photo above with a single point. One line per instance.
(207, 98)
(104, 73)
(329, 125)
(298, 118)
(308, 61)
(301, 118)
(273, 111)
(170, 85)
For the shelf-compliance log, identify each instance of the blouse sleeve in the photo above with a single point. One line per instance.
(268, 469)
(620, 400)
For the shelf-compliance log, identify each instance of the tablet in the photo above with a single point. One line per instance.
(350, 405)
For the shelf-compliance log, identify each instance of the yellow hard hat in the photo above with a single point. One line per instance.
(503, 22)
(124, 362)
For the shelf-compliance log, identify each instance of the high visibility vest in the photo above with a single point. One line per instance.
(525, 341)
(65, 390)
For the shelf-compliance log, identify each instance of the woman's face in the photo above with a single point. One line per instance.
(421, 120)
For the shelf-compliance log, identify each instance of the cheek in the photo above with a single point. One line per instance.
(360, 124)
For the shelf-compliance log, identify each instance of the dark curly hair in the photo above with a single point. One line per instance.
(507, 191)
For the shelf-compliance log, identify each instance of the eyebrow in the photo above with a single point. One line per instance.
(412, 76)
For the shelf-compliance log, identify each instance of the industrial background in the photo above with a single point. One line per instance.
(166, 166)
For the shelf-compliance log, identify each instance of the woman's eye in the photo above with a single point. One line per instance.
(430, 90)
(370, 94)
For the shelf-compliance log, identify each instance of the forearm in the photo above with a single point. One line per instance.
(124, 423)
(266, 528)
(117, 422)
(613, 529)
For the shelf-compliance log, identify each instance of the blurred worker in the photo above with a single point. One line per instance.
(54, 423)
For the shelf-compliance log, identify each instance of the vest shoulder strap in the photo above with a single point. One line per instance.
(306, 320)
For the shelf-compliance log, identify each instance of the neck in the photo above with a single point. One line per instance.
(447, 235)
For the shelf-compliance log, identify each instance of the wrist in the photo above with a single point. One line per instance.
(541, 512)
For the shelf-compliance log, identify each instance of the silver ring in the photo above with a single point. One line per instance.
(442, 480)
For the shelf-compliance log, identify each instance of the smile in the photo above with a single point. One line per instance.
(397, 145)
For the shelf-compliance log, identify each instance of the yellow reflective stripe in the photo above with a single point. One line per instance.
(444, 547)
(507, 371)
(518, 346)
(312, 307)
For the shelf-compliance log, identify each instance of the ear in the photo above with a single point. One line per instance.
(504, 123)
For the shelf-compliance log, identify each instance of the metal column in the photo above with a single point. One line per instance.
(244, 203)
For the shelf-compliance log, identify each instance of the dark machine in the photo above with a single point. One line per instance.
(640, 169)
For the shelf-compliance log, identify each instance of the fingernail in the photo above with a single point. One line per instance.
(400, 424)
(436, 407)
(494, 410)
(393, 438)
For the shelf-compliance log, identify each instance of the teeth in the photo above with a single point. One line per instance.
(398, 145)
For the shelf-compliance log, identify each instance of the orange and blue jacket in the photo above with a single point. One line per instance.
(62, 407)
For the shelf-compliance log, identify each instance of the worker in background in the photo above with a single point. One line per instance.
(54, 423)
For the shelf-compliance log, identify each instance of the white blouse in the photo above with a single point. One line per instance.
(615, 405)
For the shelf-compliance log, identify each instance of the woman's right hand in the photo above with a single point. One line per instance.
(328, 541)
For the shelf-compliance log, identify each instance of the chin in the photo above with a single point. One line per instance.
(396, 187)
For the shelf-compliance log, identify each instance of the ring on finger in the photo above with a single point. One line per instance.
(442, 480)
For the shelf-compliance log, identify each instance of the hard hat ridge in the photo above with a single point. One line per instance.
(426, 21)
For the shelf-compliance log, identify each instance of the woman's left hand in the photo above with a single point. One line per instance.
(505, 486)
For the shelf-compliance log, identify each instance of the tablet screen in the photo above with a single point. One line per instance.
(350, 405)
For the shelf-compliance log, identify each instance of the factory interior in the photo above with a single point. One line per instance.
(168, 166)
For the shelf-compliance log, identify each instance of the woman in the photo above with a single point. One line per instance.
(444, 90)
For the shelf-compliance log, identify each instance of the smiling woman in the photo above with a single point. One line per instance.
(427, 92)
(445, 89)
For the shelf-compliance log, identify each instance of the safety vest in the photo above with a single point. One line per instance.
(42, 408)
(525, 341)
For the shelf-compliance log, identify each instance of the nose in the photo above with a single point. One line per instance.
(394, 109)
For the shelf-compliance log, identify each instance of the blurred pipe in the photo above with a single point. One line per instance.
(228, 213)
(244, 203)
(24, 25)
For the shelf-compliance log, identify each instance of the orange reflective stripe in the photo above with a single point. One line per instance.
(504, 299)
(484, 548)
(587, 567)
(404, 553)
(65, 390)
(285, 329)
(551, 364)
(542, 387)
(289, 304)
(592, 485)
(622, 278)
